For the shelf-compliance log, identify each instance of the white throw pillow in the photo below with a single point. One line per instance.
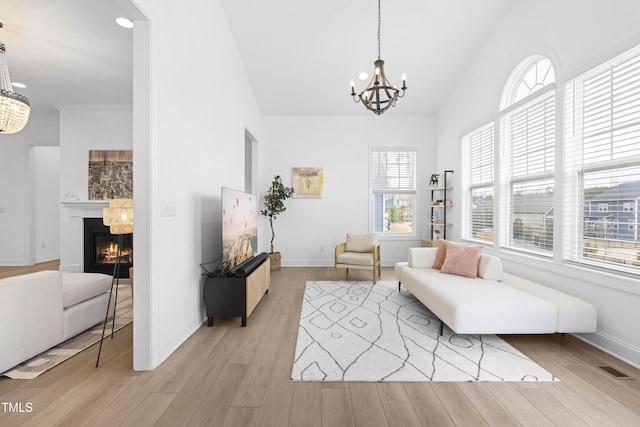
(490, 267)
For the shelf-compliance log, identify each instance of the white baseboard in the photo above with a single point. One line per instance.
(47, 258)
(612, 346)
(6, 262)
(168, 347)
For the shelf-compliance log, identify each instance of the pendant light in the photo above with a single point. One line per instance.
(379, 95)
(14, 108)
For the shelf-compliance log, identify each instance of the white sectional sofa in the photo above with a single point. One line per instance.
(494, 302)
(40, 310)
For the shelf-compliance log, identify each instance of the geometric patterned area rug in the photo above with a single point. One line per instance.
(357, 331)
(46, 360)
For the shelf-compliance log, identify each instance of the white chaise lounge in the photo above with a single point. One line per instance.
(494, 302)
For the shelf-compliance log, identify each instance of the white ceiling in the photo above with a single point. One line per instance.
(300, 56)
(67, 52)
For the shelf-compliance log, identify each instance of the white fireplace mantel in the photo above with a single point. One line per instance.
(88, 205)
(72, 216)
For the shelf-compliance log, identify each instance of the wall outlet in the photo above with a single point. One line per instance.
(167, 208)
(1, 209)
(321, 248)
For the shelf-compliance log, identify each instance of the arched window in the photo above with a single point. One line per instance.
(529, 76)
(527, 157)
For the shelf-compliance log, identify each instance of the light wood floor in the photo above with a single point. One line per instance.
(233, 376)
(16, 271)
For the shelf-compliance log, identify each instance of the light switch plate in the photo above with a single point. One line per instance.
(167, 208)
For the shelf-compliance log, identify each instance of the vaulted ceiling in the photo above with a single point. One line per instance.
(299, 56)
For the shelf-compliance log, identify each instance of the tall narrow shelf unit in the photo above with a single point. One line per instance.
(440, 207)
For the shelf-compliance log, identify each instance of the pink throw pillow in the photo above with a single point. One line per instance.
(440, 254)
(462, 260)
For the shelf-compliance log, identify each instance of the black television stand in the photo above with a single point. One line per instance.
(234, 296)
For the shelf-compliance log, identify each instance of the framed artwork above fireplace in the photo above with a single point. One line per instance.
(110, 174)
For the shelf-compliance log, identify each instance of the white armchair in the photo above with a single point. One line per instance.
(360, 252)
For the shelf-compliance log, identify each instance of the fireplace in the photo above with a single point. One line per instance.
(101, 248)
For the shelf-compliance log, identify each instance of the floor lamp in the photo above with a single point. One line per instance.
(119, 217)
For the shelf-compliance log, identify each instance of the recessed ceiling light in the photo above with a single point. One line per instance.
(18, 84)
(363, 76)
(124, 22)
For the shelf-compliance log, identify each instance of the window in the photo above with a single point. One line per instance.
(527, 156)
(509, 179)
(393, 182)
(602, 164)
(477, 184)
(530, 76)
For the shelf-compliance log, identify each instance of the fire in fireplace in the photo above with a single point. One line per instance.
(101, 249)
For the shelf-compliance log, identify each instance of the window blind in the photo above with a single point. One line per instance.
(393, 184)
(477, 184)
(393, 171)
(602, 165)
(527, 156)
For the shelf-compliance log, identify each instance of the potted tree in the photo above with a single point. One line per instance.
(274, 206)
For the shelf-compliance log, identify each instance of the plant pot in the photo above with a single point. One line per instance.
(274, 258)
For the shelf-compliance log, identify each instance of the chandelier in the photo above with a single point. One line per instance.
(14, 108)
(379, 94)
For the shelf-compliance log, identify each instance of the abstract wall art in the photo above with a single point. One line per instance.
(308, 182)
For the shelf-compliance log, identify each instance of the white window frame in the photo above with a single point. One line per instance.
(512, 174)
(376, 189)
(601, 120)
(478, 173)
(571, 201)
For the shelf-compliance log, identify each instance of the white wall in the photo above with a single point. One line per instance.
(84, 128)
(574, 34)
(46, 169)
(201, 102)
(307, 233)
(15, 202)
(29, 196)
(42, 130)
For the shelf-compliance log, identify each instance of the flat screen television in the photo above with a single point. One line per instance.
(239, 227)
